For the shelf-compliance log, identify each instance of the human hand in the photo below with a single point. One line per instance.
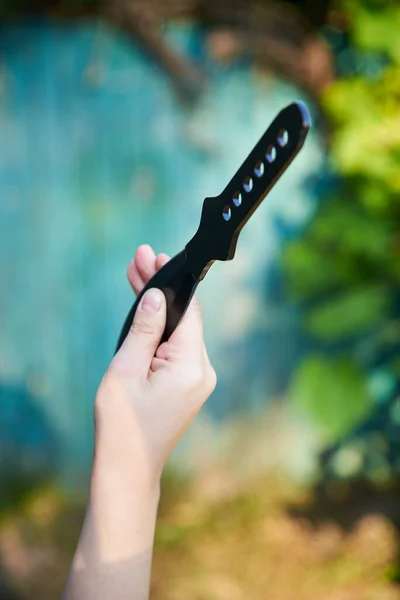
(150, 394)
(145, 402)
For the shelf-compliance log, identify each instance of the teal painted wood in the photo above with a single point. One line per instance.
(96, 157)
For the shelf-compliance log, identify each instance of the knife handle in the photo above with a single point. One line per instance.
(178, 286)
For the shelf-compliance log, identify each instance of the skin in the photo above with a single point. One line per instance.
(146, 401)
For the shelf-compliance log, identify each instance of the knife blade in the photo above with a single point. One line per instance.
(224, 216)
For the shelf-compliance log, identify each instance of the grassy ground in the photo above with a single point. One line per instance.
(233, 545)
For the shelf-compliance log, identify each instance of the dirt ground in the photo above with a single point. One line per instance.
(227, 546)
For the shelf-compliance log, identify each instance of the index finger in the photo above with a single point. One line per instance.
(188, 336)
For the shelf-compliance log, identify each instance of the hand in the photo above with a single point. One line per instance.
(150, 394)
(144, 404)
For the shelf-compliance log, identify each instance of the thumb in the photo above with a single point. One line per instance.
(144, 336)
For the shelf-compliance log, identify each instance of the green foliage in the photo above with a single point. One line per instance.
(375, 25)
(346, 267)
(333, 392)
(349, 312)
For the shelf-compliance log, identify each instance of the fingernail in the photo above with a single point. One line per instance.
(151, 301)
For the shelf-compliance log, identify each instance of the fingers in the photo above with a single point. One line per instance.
(189, 333)
(141, 268)
(188, 336)
(161, 260)
(145, 334)
(144, 266)
(187, 339)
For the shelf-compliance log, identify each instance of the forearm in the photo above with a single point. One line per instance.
(145, 402)
(114, 553)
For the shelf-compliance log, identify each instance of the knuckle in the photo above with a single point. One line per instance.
(198, 378)
(192, 378)
(201, 378)
(140, 327)
(211, 379)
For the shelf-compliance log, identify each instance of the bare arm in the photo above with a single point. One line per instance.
(146, 401)
(114, 553)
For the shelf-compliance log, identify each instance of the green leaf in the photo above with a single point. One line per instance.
(332, 392)
(352, 231)
(377, 27)
(351, 312)
(308, 270)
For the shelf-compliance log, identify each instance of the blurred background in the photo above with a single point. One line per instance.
(117, 118)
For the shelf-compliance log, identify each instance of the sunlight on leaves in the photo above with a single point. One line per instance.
(333, 393)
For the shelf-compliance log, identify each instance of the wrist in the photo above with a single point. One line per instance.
(122, 462)
(120, 448)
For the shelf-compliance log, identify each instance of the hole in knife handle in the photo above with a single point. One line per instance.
(248, 184)
(237, 198)
(270, 154)
(283, 138)
(226, 213)
(259, 169)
